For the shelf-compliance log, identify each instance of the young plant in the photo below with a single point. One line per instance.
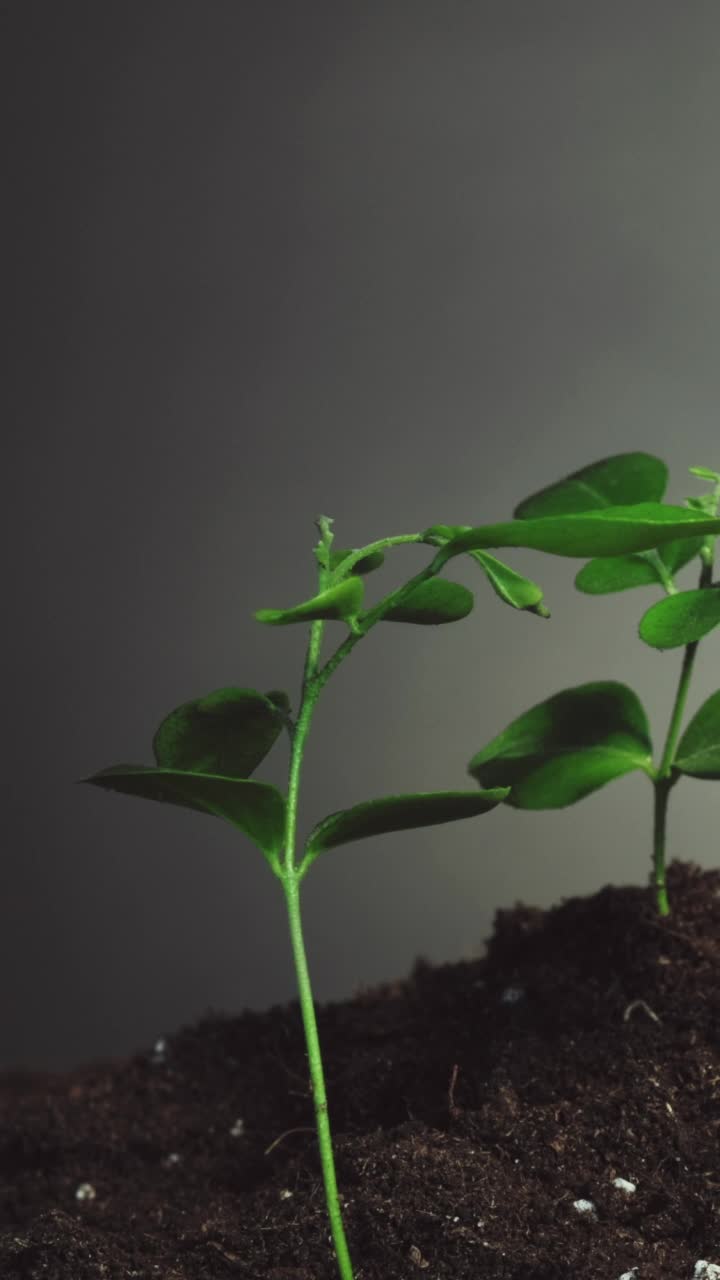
(581, 738)
(207, 749)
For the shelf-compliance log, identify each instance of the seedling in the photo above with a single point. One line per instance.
(581, 738)
(207, 749)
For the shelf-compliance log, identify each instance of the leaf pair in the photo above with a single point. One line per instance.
(206, 749)
(578, 740)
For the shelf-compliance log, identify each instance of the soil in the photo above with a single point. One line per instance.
(475, 1107)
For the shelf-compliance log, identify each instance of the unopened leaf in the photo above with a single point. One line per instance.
(698, 753)
(256, 808)
(400, 813)
(567, 746)
(432, 602)
(510, 586)
(622, 480)
(341, 602)
(227, 732)
(681, 619)
(607, 532)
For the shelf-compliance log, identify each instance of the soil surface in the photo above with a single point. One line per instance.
(478, 1109)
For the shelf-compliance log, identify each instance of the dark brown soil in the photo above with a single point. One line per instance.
(473, 1105)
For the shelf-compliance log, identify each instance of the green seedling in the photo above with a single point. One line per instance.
(581, 738)
(207, 749)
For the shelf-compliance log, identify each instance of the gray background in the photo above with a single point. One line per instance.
(396, 262)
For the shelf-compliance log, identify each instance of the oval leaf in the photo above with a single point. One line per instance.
(568, 746)
(510, 586)
(612, 531)
(619, 573)
(256, 808)
(698, 754)
(682, 618)
(227, 732)
(432, 602)
(341, 602)
(622, 480)
(400, 813)
(616, 573)
(365, 565)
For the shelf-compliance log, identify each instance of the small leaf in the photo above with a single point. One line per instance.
(400, 813)
(698, 753)
(366, 565)
(341, 602)
(227, 732)
(705, 474)
(255, 808)
(568, 746)
(622, 480)
(608, 532)
(510, 586)
(619, 573)
(681, 619)
(431, 603)
(616, 573)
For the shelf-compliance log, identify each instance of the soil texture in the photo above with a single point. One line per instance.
(549, 1111)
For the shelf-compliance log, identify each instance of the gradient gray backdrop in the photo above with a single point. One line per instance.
(399, 263)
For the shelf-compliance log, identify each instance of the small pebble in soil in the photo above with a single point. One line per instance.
(585, 1206)
(285, 1194)
(629, 1275)
(159, 1052)
(706, 1270)
(170, 1161)
(512, 995)
(85, 1191)
(238, 1129)
(622, 1184)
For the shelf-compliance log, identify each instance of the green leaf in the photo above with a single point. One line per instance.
(226, 732)
(342, 602)
(438, 534)
(619, 573)
(399, 813)
(698, 753)
(568, 746)
(432, 602)
(622, 480)
(510, 586)
(682, 618)
(366, 565)
(705, 474)
(255, 808)
(609, 532)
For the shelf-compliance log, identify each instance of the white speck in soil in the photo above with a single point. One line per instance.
(706, 1270)
(170, 1161)
(285, 1194)
(512, 995)
(585, 1206)
(85, 1191)
(629, 1275)
(159, 1052)
(622, 1184)
(238, 1129)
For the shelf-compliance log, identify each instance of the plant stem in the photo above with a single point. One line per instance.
(322, 1121)
(291, 889)
(664, 781)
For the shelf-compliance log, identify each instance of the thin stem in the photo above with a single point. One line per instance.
(317, 1077)
(664, 781)
(662, 791)
(374, 615)
(346, 566)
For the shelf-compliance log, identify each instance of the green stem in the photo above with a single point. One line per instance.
(368, 620)
(664, 781)
(317, 1077)
(291, 888)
